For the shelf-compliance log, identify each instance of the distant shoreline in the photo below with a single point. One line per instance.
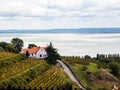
(55, 31)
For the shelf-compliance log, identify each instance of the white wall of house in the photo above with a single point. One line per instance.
(40, 54)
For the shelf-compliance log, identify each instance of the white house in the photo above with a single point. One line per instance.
(37, 52)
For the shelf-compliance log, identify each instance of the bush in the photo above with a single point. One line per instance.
(99, 65)
(114, 68)
(104, 88)
(84, 68)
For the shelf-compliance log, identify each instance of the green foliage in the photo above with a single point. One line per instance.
(1, 49)
(52, 54)
(104, 88)
(27, 54)
(84, 68)
(89, 88)
(92, 67)
(54, 77)
(19, 66)
(107, 58)
(3, 45)
(5, 55)
(10, 48)
(114, 68)
(17, 43)
(26, 76)
(32, 45)
(19, 71)
(87, 57)
(74, 60)
(11, 60)
(99, 65)
(81, 67)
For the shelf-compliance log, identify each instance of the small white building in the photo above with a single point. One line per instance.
(36, 52)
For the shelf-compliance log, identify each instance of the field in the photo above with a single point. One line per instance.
(19, 71)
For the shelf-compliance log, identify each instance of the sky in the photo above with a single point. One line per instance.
(49, 14)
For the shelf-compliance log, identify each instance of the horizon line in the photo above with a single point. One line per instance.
(66, 28)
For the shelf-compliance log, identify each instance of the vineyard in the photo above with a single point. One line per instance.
(53, 78)
(5, 54)
(17, 68)
(19, 71)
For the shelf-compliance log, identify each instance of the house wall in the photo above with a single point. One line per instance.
(40, 54)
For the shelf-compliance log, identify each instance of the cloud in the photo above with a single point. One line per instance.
(59, 10)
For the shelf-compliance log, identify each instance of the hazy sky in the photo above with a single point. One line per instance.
(44, 14)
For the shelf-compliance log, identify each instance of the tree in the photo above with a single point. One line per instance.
(52, 54)
(3, 45)
(32, 45)
(87, 57)
(10, 48)
(98, 57)
(27, 54)
(17, 43)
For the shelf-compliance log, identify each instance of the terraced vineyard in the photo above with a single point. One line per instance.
(5, 54)
(53, 78)
(19, 71)
(17, 68)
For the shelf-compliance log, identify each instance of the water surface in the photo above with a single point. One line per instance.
(77, 44)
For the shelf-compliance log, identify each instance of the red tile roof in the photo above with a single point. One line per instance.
(32, 50)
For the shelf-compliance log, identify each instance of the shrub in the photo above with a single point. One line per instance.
(114, 68)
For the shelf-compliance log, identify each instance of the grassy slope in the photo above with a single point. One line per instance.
(92, 67)
(77, 69)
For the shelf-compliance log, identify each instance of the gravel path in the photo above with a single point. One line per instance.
(70, 74)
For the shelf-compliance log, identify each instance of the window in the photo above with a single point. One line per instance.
(44, 55)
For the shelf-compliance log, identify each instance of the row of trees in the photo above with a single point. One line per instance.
(14, 46)
(110, 56)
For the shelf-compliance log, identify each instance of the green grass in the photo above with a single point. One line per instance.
(77, 69)
(92, 67)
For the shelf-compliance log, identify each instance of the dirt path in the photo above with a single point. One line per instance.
(70, 74)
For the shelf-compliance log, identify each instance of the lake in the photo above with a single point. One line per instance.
(71, 43)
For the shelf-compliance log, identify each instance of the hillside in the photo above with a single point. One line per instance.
(90, 74)
(16, 70)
